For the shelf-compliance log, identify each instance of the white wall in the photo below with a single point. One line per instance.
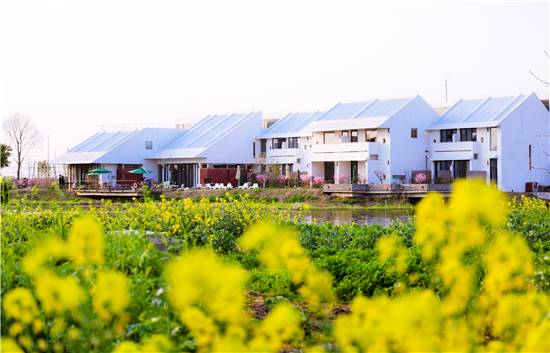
(407, 153)
(236, 146)
(526, 125)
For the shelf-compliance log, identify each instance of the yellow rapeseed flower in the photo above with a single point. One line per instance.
(110, 294)
(9, 346)
(86, 242)
(57, 294)
(20, 305)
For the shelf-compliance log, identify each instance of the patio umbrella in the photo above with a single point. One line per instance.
(99, 171)
(298, 181)
(354, 174)
(141, 171)
(288, 171)
(238, 175)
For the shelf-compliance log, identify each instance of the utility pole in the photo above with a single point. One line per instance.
(446, 79)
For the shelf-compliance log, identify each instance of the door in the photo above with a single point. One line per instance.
(460, 169)
(329, 171)
(493, 171)
(354, 166)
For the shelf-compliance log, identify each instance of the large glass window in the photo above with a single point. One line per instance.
(278, 143)
(468, 134)
(354, 136)
(447, 135)
(293, 142)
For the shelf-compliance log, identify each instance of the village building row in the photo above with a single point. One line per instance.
(504, 140)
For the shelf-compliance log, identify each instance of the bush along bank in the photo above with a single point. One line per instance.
(455, 279)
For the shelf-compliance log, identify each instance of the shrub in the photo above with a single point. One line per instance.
(420, 178)
(319, 181)
(296, 198)
(6, 188)
(306, 179)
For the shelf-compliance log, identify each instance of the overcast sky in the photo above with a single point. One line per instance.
(74, 66)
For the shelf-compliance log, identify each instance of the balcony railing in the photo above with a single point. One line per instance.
(462, 146)
(285, 152)
(349, 147)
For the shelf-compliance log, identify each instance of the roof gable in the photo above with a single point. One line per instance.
(479, 112)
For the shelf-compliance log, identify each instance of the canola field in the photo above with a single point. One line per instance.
(470, 275)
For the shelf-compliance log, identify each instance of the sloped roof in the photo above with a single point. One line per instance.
(202, 135)
(94, 147)
(291, 125)
(365, 115)
(488, 112)
(102, 146)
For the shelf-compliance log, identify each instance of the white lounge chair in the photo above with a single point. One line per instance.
(216, 186)
(245, 186)
(229, 186)
(198, 186)
(255, 186)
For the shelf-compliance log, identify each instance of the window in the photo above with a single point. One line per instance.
(529, 157)
(493, 139)
(263, 145)
(148, 145)
(278, 143)
(414, 132)
(468, 134)
(253, 149)
(384, 140)
(475, 155)
(345, 133)
(370, 135)
(447, 135)
(373, 157)
(298, 160)
(329, 138)
(354, 136)
(293, 142)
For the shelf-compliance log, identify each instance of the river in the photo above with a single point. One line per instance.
(382, 217)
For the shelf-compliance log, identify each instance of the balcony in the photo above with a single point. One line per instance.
(284, 155)
(351, 151)
(454, 150)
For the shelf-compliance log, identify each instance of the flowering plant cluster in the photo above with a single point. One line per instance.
(319, 181)
(341, 179)
(461, 277)
(306, 179)
(282, 178)
(420, 178)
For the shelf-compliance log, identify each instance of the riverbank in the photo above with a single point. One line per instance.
(282, 198)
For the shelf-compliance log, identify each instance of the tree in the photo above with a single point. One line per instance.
(6, 154)
(23, 135)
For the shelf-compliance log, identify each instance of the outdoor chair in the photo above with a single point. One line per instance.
(244, 186)
(255, 186)
(217, 186)
(198, 186)
(229, 186)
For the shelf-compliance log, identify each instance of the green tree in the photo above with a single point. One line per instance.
(6, 153)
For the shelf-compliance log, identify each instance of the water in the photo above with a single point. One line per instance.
(382, 217)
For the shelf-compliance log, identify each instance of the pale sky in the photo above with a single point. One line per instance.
(74, 66)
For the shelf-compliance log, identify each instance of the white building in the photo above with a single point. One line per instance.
(503, 140)
(285, 142)
(119, 152)
(359, 139)
(172, 154)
